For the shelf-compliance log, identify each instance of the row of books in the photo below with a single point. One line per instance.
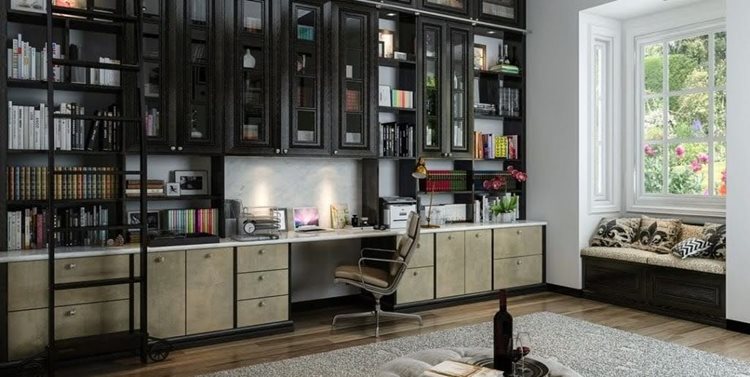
(105, 77)
(153, 122)
(510, 102)
(154, 187)
(444, 180)
(28, 129)
(29, 63)
(191, 220)
(30, 183)
(27, 229)
(490, 146)
(398, 139)
(388, 97)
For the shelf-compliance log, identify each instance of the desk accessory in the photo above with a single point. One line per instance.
(177, 238)
(420, 172)
(257, 224)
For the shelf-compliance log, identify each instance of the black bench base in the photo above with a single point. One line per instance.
(691, 295)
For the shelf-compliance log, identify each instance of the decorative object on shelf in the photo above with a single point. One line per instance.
(339, 214)
(381, 49)
(119, 240)
(386, 36)
(349, 71)
(36, 6)
(173, 189)
(421, 172)
(480, 57)
(248, 60)
(399, 55)
(257, 223)
(505, 208)
(306, 33)
(192, 182)
(384, 96)
(253, 24)
(78, 4)
(152, 219)
(280, 213)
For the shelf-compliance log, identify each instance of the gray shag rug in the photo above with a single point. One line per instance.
(592, 350)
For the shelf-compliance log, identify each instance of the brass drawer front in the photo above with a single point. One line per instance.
(262, 311)
(417, 284)
(91, 319)
(262, 258)
(27, 285)
(478, 261)
(94, 268)
(517, 242)
(424, 253)
(518, 272)
(209, 290)
(27, 333)
(262, 284)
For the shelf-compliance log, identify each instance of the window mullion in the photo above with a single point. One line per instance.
(711, 110)
(665, 117)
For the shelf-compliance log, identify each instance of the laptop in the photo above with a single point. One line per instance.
(307, 219)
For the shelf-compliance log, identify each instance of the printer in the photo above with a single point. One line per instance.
(394, 211)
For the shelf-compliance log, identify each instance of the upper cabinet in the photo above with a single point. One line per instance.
(353, 73)
(504, 12)
(443, 57)
(457, 7)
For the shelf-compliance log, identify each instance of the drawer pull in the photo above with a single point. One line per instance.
(519, 232)
(262, 251)
(71, 266)
(209, 256)
(450, 238)
(476, 235)
(70, 313)
(262, 304)
(159, 259)
(419, 245)
(261, 277)
(518, 262)
(416, 273)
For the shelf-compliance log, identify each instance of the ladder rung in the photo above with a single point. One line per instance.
(88, 64)
(67, 11)
(96, 117)
(95, 283)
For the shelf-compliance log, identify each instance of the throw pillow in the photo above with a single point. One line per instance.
(690, 247)
(716, 235)
(613, 232)
(658, 235)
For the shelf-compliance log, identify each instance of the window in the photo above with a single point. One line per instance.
(681, 124)
(600, 118)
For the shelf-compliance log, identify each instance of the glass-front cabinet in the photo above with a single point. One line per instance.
(154, 75)
(353, 71)
(459, 7)
(507, 12)
(444, 121)
(249, 83)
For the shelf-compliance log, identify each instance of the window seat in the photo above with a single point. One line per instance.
(710, 266)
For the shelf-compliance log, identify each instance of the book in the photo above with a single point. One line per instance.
(458, 369)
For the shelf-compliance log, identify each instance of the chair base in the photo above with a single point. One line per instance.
(377, 313)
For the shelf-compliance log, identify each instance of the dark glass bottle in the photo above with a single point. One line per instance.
(503, 337)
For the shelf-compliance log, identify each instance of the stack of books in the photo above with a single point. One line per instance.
(490, 147)
(444, 181)
(154, 187)
(105, 77)
(398, 139)
(506, 68)
(28, 63)
(204, 220)
(510, 102)
(77, 182)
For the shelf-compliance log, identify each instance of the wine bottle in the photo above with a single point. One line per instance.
(503, 337)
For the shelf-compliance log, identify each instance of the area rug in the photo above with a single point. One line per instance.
(592, 350)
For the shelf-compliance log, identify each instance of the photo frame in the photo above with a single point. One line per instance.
(36, 6)
(480, 57)
(281, 214)
(384, 96)
(192, 182)
(172, 189)
(152, 219)
(386, 36)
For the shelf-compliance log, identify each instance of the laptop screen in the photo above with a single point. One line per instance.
(306, 216)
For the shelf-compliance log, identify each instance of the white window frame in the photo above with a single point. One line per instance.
(606, 132)
(637, 199)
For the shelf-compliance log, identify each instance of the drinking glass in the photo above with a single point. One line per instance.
(523, 343)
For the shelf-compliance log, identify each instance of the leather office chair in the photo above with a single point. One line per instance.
(381, 282)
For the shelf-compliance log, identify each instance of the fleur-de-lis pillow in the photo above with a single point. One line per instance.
(658, 235)
(614, 232)
(716, 236)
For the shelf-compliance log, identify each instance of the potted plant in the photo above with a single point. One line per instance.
(503, 209)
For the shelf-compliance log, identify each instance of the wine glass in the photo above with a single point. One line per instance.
(523, 342)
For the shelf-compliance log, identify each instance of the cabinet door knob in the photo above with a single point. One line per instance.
(261, 277)
(518, 262)
(519, 232)
(209, 255)
(278, 151)
(262, 251)
(172, 148)
(476, 235)
(416, 273)
(419, 245)
(286, 151)
(70, 313)
(71, 266)
(450, 238)
(335, 152)
(179, 148)
(262, 304)
(159, 259)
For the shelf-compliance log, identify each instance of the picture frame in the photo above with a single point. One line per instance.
(36, 6)
(386, 36)
(384, 96)
(172, 189)
(192, 182)
(399, 55)
(152, 219)
(281, 213)
(480, 57)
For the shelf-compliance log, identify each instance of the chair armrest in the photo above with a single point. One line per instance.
(362, 252)
(364, 259)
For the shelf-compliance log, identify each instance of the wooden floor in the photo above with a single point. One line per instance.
(313, 334)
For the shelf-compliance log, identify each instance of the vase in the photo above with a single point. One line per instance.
(507, 217)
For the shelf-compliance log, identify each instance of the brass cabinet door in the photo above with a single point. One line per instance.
(517, 242)
(478, 262)
(417, 284)
(166, 294)
(210, 290)
(424, 253)
(27, 333)
(449, 264)
(518, 272)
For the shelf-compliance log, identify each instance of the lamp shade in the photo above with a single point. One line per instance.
(420, 171)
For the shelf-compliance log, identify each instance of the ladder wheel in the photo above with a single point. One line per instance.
(159, 351)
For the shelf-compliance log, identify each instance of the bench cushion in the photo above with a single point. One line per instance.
(665, 260)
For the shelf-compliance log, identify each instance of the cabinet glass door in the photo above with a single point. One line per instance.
(451, 6)
(353, 41)
(504, 11)
(459, 76)
(432, 99)
(199, 126)
(306, 77)
(153, 75)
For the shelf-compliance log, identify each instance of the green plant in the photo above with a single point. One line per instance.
(506, 204)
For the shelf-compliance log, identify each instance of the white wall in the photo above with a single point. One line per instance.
(738, 138)
(553, 131)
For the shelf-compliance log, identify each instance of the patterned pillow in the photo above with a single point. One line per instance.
(658, 235)
(612, 232)
(690, 247)
(716, 235)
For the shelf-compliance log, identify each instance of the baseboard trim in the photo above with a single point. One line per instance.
(738, 326)
(356, 299)
(565, 290)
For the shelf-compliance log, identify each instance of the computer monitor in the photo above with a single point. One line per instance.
(306, 217)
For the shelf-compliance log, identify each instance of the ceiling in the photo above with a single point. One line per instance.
(626, 9)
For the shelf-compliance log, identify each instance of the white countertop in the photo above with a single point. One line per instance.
(286, 237)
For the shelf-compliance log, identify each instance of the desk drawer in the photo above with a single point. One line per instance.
(91, 319)
(424, 254)
(95, 268)
(262, 311)
(417, 284)
(518, 272)
(262, 284)
(517, 242)
(262, 258)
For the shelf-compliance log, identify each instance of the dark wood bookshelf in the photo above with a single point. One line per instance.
(386, 109)
(397, 63)
(63, 86)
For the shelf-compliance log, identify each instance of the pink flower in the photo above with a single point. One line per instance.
(679, 151)
(511, 169)
(649, 150)
(696, 166)
(497, 184)
(703, 158)
(521, 176)
(724, 176)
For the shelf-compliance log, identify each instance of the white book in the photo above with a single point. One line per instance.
(33, 63)
(10, 125)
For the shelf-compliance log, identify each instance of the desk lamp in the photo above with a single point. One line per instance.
(420, 172)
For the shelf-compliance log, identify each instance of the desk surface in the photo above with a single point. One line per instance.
(286, 237)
